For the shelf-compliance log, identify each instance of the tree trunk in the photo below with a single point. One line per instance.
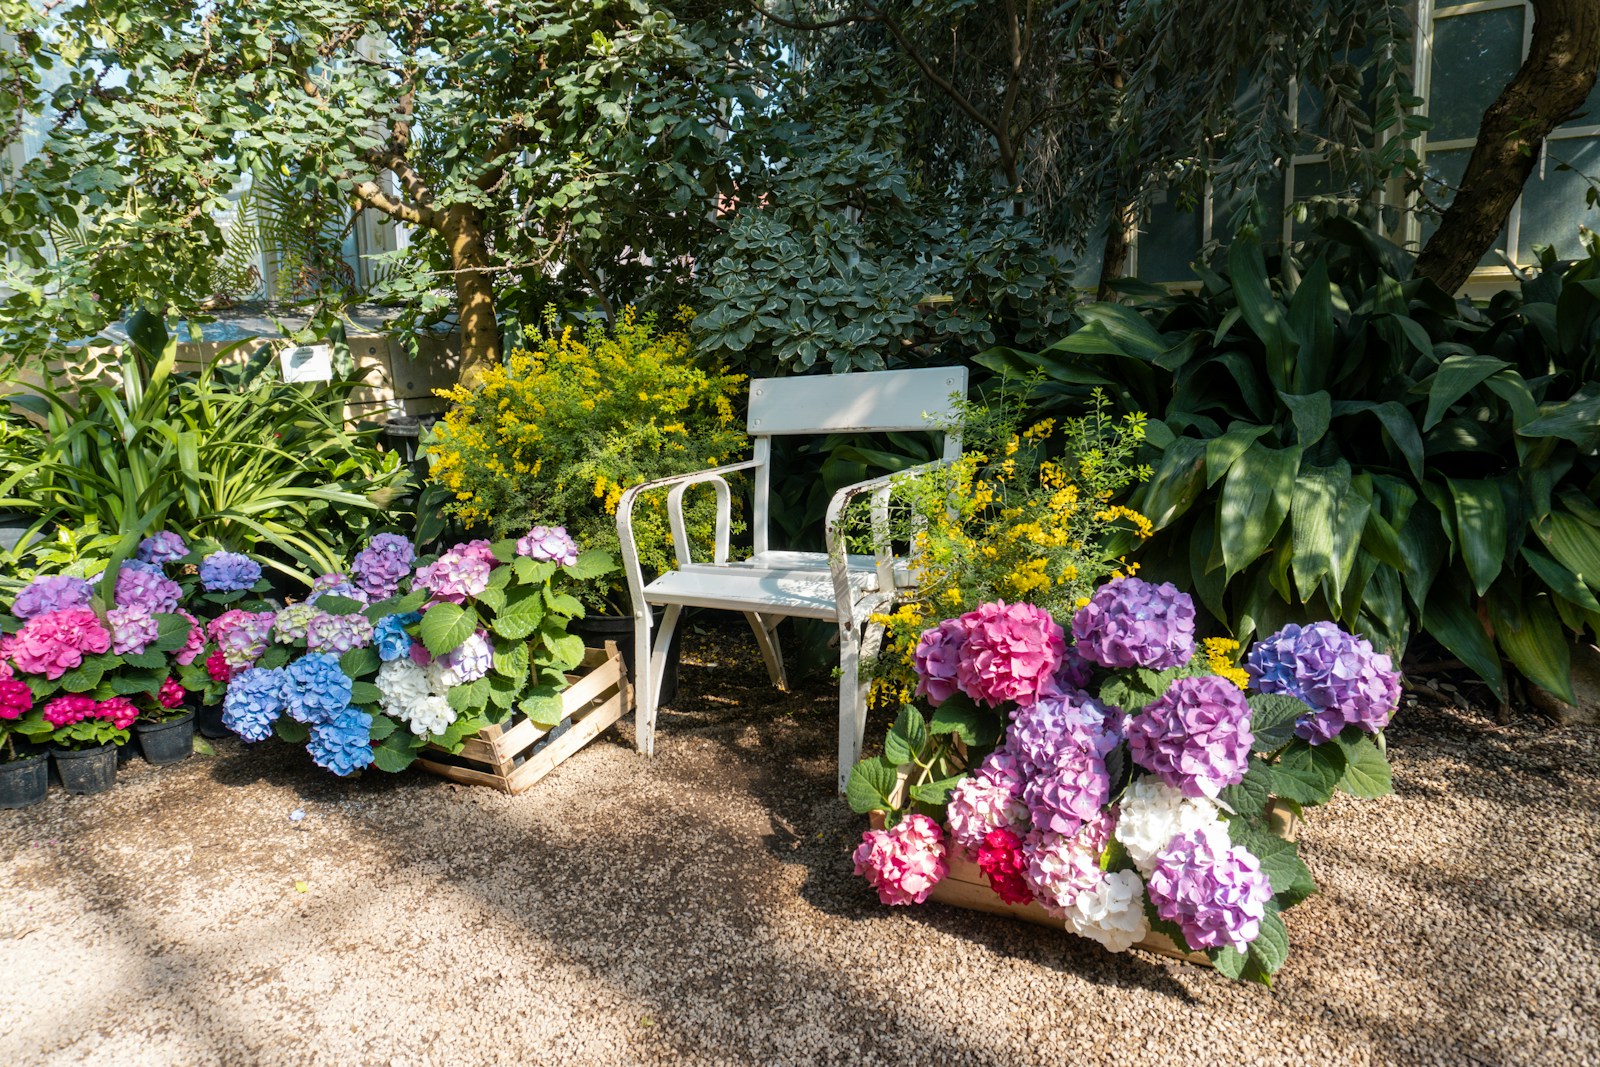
(1552, 83)
(1114, 255)
(462, 229)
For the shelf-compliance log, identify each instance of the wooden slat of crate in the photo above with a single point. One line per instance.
(594, 700)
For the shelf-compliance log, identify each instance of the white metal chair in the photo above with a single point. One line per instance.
(773, 584)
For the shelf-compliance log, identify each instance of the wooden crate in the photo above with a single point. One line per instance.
(966, 886)
(503, 757)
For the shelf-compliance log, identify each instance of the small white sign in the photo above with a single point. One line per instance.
(307, 363)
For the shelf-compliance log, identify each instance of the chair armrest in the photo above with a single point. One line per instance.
(833, 531)
(679, 484)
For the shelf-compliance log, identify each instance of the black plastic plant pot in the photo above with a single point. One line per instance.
(25, 780)
(208, 722)
(166, 742)
(86, 770)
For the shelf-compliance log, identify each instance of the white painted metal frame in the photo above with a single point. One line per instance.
(774, 584)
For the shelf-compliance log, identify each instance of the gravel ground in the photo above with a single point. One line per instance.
(698, 908)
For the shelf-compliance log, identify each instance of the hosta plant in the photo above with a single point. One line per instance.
(1121, 775)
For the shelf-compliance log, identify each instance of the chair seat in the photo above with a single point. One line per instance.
(804, 588)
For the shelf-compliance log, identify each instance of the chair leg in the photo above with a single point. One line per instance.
(852, 706)
(644, 691)
(765, 628)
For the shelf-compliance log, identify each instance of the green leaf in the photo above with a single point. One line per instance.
(470, 698)
(543, 706)
(512, 661)
(1456, 376)
(1311, 414)
(1270, 949)
(1262, 311)
(172, 633)
(1255, 499)
(83, 677)
(592, 563)
(1227, 961)
(149, 659)
(1575, 543)
(1366, 772)
(126, 683)
(359, 661)
(1319, 494)
(1222, 452)
(564, 604)
(977, 727)
(1135, 688)
(566, 650)
(382, 726)
(533, 571)
(274, 656)
(936, 794)
(1308, 773)
(287, 729)
(1250, 796)
(365, 694)
(1558, 578)
(1272, 719)
(908, 738)
(872, 782)
(503, 691)
(333, 604)
(1530, 632)
(1481, 528)
(518, 619)
(396, 752)
(445, 626)
(1457, 627)
(1280, 859)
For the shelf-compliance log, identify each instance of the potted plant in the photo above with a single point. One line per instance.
(24, 766)
(166, 725)
(554, 437)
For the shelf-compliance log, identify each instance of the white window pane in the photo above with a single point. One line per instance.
(1474, 56)
(1443, 170)
(1168, 241)
(1554, 205)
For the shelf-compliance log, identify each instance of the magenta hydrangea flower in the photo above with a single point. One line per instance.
(54, 643)
(1050, 729)
(242, 636)
(549, 543)
(338, 633)
(69, 708)
(1195, 737)
(1337, 675)
(937, 659)
(905, 862)
(456, 575)
(1000, 859)
(132, 629)
(153, 592)
(479, 550)
(1131, 623)
(52, 592)
(1216, 893)
(161, 548)
(1011, 649)
(193, 644)
(120, 710)
(16, 699)
(383, 565)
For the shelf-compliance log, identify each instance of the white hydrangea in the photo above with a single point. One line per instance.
(431, 715)
(1152, 813)
(1112, 913)
(403, 685)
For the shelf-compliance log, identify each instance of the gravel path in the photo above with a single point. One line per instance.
(698, 908)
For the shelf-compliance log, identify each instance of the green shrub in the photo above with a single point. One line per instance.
(1341, 440)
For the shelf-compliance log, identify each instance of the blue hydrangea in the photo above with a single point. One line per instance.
(1339, 676)
(255, 699)
(318, 690)
(342, 745)
(162, 547)
(229, 572)
(391, 637)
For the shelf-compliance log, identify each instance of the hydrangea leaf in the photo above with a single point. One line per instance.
(295, 733)
(872, 782)
(566, 650)
(1270, 949)
(139, 681)
(149, 659)
(382, 725)
(412, 601)
(365, 694)
(1272, 719)
(977, 727)
(936, 793)
(172, 633)
(446, 625)
(564, 604)
(1228, 961)
(393, 754)
(469, 698)
(276, 656)
(1366, 772)
(908, 738)
(1308, 773)
(502, 691)
(359, 661)
(1280, 859)
(334, 604)
(83, 677)
(592, 564)
(1159, 925)
(494, 597)
(1132, 690)
(1249, 797)
(543, 706)
(512, 661)
(504, 550)
(519, 618)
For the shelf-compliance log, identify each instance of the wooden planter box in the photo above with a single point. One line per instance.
(503, 756)
(966, 886)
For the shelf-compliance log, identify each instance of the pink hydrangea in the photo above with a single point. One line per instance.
(132, 629)
(1000, 859)
(242, 636)
(217, 668)
(905, 862)
(194, 644)
(16, 699)
(120, 710)
(479, 550)
(551, 543)
(456, 575)
(1196, 737)
(1060, 866)
(937, 659)
(171, 694)
(981, 803)
(1011, 649)
(1045, 731)
(54, 643)
(69, 708)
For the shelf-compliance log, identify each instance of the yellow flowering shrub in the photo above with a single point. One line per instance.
(1025, 515)
(558, 432)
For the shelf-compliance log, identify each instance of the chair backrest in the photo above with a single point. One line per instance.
(870, 401)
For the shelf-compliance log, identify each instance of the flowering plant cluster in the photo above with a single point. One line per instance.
(1122, 775)
(81, 659)
(557, 433)
(1025, 515)
(400, 652)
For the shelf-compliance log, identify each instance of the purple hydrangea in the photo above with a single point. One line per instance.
(381, 566)
(1131, 623)
(343, 743)
(229, 572)
(390, 635)
(549, 543)
(242, 636)
(937, 657)
(467, 662)
(1216, 894)
(1011, 650)
(338, 633)
(255, 699)
(335, 584)
(1052, 729)
(1336, 674)
(154, 593)
(456, 575)
(479, 550)
(1195, 737)
(317, 689)
(52, 592)
(161, 548)
(132, 629)
(143, 565)
(1064, 797)
(1060, 866)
